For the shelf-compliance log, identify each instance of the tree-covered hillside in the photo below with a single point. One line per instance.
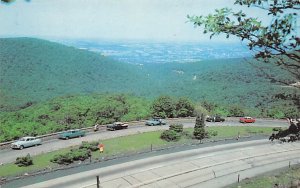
(34, 70)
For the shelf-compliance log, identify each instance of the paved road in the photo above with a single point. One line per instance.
(213, 167)
(8, 155)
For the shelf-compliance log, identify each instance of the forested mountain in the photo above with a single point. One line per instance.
(34, 70)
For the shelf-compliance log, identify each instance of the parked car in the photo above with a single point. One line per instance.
(117, 126)
(71, 134)
(26, 142)
(215, 119)
(247, 120)
(155, 121)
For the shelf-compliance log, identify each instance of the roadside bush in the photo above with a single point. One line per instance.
(176, 127)
(24, 161)
(80, 154)
(184, 107)
(163, 106)
(275, 113)
(92, 146)
(70, 157)
(170, 135)
(236, 111)
(63, 159)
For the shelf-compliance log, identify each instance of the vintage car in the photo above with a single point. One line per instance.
(26, 142)
(215, 119)
(117, 126)
(71, 134)
(155, 121)
(247, 120)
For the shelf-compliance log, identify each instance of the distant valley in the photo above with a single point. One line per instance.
(34, 70)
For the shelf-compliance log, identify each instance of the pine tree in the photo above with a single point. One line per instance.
(199, 131)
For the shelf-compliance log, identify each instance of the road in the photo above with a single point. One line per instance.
(9, 155)
(215, 166)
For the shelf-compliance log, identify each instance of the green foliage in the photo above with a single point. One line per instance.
(170, 135)
(35, 102)
(177, 128)
(63, 159)
(81, 72)
(168, 107)
(92, 146)
(236, 111)
(163, 106)
(199, 109)
(199, 131)
(80, 154)
(275, 43)
(71, 112)
(184, 107)
(173, 134)
(24, 161)
(200, 121)
(276, 113)
(74, 155)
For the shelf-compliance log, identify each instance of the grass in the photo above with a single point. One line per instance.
(233, 131)
(230, 131)
(40, 162)
(129, 144)
(283, 179)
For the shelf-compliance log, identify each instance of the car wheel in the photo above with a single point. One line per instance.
(67, 138)
(21, 147)
(152, 124)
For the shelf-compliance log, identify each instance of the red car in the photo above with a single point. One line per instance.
(247, 120)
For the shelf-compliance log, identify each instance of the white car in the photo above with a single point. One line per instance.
(26, 142)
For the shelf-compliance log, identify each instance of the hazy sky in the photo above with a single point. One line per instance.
(108, 19)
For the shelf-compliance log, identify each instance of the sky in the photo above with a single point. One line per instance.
(153, 20)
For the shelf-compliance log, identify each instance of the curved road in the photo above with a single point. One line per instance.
(9, 155)
(213, 167)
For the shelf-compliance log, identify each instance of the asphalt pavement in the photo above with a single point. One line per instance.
(212, 166)
(9, 155)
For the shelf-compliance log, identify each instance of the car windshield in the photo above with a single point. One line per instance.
(22, 139)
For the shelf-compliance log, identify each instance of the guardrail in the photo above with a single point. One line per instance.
(88, 129)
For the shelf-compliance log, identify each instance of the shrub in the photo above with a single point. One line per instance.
(176, 127)
(199, 131)
(92, 146)
(236, 111)
(63, 159)
(170, 135)
(74, 155)
(80, 154)
(184, 107)
(24, 161)
(164, 107)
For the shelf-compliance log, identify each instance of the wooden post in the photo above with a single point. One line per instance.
(151, 147)
(98, 182)
(289, 164)
(238, 178)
